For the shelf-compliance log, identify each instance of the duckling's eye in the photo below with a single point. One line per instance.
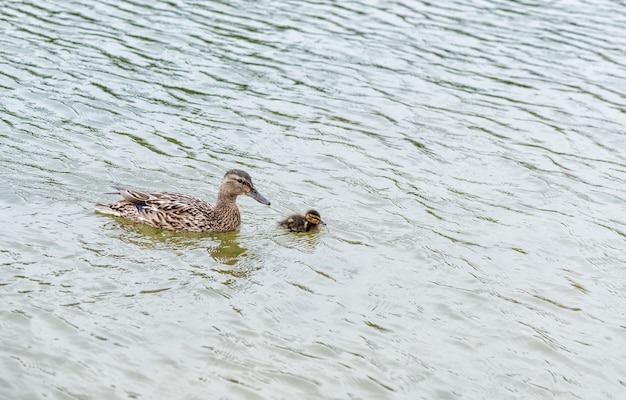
(314, 219)
(240, 180)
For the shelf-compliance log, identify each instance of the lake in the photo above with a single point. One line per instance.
(468, 158)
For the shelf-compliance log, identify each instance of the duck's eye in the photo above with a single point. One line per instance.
(240, 180)
(314, 219)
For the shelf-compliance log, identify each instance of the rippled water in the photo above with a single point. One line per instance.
(468, 158)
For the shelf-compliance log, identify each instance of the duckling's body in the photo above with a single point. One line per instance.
(181, 212)
(309, 222)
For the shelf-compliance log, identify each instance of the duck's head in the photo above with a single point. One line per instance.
(314, 218)
(237, 182)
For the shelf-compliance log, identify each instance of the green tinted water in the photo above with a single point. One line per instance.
(467, 157)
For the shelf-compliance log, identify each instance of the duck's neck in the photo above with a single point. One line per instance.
(226, 199)
(226, 205)
(309, 227)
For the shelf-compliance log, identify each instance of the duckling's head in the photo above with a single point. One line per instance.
(314, 218)
(237, 182)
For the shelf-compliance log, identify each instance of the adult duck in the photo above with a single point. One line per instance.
(181, 212)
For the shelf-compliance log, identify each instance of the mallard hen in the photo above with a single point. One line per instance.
(181, 212)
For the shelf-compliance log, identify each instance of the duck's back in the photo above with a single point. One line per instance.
(296, 223)
(172, 211)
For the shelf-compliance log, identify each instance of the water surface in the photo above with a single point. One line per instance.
(468, 158)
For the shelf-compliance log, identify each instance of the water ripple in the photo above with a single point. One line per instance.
(467, 157)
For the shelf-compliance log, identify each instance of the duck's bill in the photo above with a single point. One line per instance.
(322, 222)
(258, 197)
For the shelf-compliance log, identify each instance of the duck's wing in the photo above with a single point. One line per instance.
(142, 198)
(173, 211)
(293, 222)
(171, 203)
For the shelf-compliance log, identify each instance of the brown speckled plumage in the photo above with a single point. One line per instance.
(180, 212)
(310, 222)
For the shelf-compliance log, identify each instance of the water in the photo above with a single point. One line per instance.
(468, 158)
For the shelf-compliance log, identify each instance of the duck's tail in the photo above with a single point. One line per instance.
(106, 209)
(118, 190)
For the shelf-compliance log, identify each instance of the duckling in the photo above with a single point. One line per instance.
(181, 212)
(310, 222)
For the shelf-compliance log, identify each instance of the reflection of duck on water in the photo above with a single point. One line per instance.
(227, 251)
(180, 212)
(309, 222)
